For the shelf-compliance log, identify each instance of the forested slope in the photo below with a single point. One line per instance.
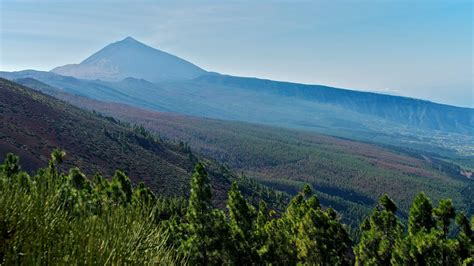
(381, 119)
(56, 217)
(348, 175)
(32, 124)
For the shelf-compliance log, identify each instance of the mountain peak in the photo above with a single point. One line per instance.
(131, 58)
(129, 40)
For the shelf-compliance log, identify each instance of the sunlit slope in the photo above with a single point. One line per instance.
(348, 175)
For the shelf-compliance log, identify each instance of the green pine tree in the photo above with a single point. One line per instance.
(444, 213)
(465, 237)
(242, 218)
(207, 237)
(379, 234)
(125, 185)
(420, 215)
(11, 165)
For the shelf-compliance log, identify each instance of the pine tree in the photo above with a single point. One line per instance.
(78, 180)
(57, 157)
(423, 245)
(125, 185)
(115, 192)
(380, 232)
(279, 248)
(11, 165)
(320, 237)
(260, 236)
(419, 248)
(242, 217)
(466, 238)
(142, 195)
(322, 240)
(427, 244)
(207, 231)
(11, 169)
(420, 215)
(100, 189)
(444, 213)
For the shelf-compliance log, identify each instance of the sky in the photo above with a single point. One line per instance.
(421, 49)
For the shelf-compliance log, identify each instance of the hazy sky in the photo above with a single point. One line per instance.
(422, 49)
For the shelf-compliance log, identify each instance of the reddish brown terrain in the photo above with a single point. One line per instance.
(33, 124)
(348, 175)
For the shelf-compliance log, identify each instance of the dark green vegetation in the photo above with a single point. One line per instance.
(54, 217)
(32, 124)
(348, 176)
(57, 215)
(384, 240)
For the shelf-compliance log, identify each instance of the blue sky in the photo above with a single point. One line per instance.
(421, 49)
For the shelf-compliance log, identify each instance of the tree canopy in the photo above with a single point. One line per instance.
(57, 217)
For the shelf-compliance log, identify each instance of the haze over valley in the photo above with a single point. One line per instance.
(162, 160)
(163, 82)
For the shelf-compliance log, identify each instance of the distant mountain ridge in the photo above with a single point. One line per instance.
(400, 109)
(131, 58)
(285, 158)
(33, 123)
(133, 73)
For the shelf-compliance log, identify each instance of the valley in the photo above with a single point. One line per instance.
(189, 90)
(236, 133)
(348, 176)
(350, 146)
(33, 124)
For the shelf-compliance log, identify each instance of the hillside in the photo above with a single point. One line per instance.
(348, 176)
(97, 222)
(256, 100)
(130, 58)
(408, 111)
(224, 102)
(251, 103)
(32, 124)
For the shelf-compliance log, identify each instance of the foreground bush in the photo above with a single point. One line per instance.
(65, 218)
(53, 218)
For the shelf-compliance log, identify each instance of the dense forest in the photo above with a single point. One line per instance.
(32, 124)
(346, 175)
(59, 217)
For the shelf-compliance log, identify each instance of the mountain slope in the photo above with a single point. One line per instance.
(130, 58)
(347, 175)
(135, 74)
(408, 111)
(350, 114)
(32, 124)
